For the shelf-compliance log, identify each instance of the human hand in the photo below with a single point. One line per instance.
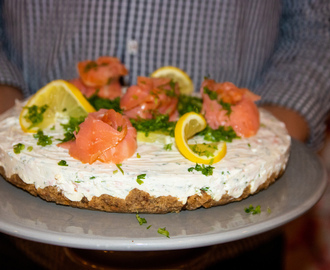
(8, 95)
(295, 123)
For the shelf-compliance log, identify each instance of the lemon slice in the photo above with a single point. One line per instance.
(206, 153)
(177, 75)
(58, 99)
(153, 137)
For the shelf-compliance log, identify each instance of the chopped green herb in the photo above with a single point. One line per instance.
(168, 92)
(119, 167)
(149, 227)
(138, 155)
(43, 140)
(207, 77)
(71, 127)
(115, 171)
(104, 103)
(92, 177)
(140, 219)
(159, 123)
(249, 145)
(189, 104)
(62, 163)
(226, 134)
(18, 148)
(90, 65)
(269, 210)
(30, 148)
(207, 171)
(139, 178)
(226, 106)
(253, 210)
(168, 147)
(164, 232)
(212, 94)
(35, 114)
(204, 149)
(205, 188)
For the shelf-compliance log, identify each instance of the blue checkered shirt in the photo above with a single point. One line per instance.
(277, 49)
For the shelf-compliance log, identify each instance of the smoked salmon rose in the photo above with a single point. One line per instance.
(106, 136)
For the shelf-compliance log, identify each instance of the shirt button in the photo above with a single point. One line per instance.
(132, 47)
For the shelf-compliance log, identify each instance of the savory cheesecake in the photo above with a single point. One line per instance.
(157, 178)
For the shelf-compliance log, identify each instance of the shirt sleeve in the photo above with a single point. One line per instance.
(297, 75)
(10, 74)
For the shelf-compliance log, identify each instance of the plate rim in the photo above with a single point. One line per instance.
(174, 243)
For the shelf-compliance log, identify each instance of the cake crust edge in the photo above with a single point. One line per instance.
(137, 200)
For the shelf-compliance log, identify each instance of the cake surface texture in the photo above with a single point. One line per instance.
(250, 165)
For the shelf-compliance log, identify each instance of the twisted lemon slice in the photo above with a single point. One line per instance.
(206, 153)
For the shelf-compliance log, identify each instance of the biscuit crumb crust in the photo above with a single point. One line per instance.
(136, 201)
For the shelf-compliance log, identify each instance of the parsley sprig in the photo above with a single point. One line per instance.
(164, 232)
(204, 149)
(140, 177)
(189, 104)
(119, 168)
(90, 65)
(104, 103)
(43, 139)
(18, 148)
(253, 210)
(222, 133)
(161, 231)
(206, 170)
(62, 163)
(35, 114)
(168, 146)
(141, 220)
(214, 96)
(160, 124)
(71, 127)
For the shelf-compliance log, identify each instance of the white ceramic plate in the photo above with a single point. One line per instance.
(28, 217)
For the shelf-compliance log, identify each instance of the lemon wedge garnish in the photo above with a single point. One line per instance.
(59, 99)
(177, 75)
(206, 153)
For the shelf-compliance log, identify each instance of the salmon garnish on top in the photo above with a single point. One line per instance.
(224, 104)
(106, 136)
(100, 76)
(151, 96)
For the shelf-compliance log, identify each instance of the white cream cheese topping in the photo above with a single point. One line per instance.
(249, 161)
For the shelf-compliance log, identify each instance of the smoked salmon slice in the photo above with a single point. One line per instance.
(109, 91)
(106, 136)
(224, 104)
(101, 72)
(151, 96)
(100, 76)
